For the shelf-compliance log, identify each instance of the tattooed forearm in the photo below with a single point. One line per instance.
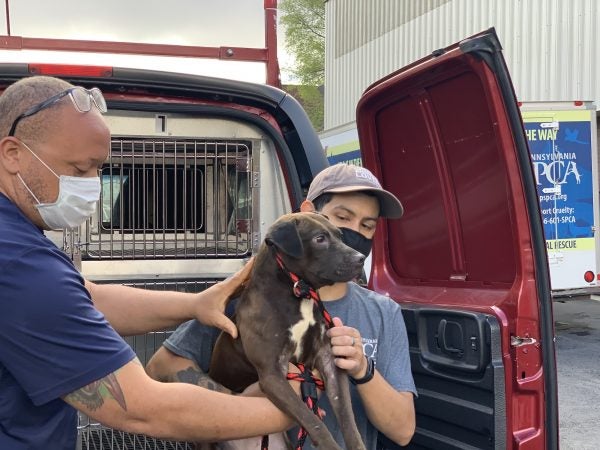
(92, 396)
(195, 376)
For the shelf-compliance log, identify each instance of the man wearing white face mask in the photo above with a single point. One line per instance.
(77, 199)
(60, 349)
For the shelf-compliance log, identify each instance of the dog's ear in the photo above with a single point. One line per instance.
(285, 237)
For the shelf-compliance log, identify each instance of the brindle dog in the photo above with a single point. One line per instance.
(275, 326)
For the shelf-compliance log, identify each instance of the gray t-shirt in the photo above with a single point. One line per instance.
(381, 326)
(194, 341)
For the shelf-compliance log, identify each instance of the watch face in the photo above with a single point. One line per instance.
(370, 368)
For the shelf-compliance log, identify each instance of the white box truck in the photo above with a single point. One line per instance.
(564, 153)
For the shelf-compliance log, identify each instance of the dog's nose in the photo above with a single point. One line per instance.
(360, 258)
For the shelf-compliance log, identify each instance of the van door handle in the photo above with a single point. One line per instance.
(442, 338)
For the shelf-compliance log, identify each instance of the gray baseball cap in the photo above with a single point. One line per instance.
(341, 178)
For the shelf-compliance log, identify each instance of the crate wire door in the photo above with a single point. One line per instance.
(185, 198)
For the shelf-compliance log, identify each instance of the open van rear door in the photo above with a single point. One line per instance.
(467, 260)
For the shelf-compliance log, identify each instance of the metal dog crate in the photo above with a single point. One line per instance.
(93, 436)
(173, 198)
(171, 202)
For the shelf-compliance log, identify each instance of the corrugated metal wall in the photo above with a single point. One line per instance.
(551, 46)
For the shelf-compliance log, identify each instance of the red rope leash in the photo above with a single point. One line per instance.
(308, 388)
(308, 383)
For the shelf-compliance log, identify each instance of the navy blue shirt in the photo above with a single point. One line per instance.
(52, 339)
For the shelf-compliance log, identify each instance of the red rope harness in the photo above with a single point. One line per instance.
(302, 289)
(308, 383)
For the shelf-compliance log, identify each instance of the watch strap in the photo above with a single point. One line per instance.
(368, 375)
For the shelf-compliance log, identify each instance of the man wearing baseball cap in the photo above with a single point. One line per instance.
(369, 338)
(344, 178)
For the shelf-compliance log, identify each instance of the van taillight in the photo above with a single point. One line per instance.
(70, 70)
(589, 276)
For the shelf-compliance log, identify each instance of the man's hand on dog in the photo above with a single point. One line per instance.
(346, 346)
(210, 305)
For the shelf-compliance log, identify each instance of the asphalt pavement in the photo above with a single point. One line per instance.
(577, 326)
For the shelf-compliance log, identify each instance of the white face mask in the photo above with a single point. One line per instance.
(77, 199)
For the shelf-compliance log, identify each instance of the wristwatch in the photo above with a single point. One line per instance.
(368, 375)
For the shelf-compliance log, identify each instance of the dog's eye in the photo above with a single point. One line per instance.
(320, 239)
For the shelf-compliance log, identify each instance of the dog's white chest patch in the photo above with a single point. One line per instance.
(299, 328)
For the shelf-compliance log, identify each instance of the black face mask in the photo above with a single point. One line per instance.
(356, 241)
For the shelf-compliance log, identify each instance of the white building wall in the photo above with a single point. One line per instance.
(551, 46)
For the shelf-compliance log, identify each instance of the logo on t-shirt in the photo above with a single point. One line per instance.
(370, 347)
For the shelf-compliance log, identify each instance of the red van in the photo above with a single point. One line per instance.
(200, 167)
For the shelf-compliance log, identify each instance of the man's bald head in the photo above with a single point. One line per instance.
(24, 94)
(56, 140)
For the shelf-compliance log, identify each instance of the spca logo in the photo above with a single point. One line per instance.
(370, 347)
(556, 172)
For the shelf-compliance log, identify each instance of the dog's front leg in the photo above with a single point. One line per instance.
(278, 390)
(337, 390)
